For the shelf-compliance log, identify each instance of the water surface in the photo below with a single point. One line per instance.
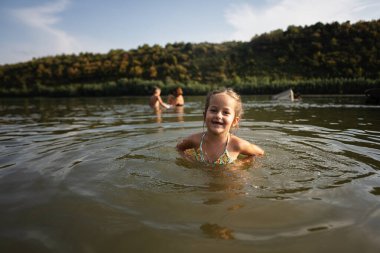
(102, 175)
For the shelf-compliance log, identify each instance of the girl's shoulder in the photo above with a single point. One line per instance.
(189, 142)
(245, 147)
(235, 139)
(195, 138)
(238, 142)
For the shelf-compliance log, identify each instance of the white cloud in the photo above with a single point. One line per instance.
(249, 20)
(47, 38)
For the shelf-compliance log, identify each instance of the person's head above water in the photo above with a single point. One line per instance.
(178, 91)
(157, 91)
(228, 100)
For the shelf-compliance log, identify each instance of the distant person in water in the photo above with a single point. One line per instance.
(176, 98)
(217, 145)
(155, 100)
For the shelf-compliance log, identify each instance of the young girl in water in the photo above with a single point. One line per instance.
(217, 145)
(176, 99)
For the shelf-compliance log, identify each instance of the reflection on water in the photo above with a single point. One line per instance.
(178, 111)
(158, 113)
(102, 174)
(216, 231)
(375, 191)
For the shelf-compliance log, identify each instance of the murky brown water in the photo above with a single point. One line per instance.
(102, 175)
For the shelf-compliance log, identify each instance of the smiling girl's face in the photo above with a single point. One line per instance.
(221, 114)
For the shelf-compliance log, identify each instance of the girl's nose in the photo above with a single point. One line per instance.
(219, 115)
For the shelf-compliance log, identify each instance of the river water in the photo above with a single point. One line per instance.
(102, 175)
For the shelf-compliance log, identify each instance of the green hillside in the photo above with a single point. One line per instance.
(321, 58)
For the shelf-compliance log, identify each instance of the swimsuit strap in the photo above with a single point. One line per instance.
(225, 152)
(228, 139)
(200, 148)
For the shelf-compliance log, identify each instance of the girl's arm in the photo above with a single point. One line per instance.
(247, 148)
(184, 144)
(163, 103)
(189, 142)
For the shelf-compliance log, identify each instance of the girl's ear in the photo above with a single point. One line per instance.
(235, 122)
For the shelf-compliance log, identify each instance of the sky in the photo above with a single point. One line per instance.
(37, 28)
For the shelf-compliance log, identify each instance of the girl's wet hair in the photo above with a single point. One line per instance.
(230, 92)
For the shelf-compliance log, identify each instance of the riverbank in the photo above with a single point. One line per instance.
(250, 86)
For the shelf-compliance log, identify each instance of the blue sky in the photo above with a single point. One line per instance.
(37, 28)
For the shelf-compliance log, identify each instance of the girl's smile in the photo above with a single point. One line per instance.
(220, 116)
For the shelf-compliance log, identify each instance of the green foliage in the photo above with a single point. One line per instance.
(321, 58)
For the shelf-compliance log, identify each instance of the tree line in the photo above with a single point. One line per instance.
(320, 58)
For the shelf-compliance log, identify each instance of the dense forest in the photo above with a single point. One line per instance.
(331, 58)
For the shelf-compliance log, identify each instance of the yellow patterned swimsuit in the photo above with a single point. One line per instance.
(224, 158)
